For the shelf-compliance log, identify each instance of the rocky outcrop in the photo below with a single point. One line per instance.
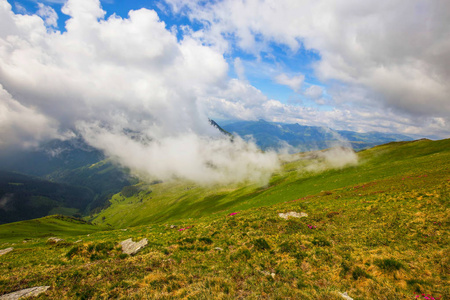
(346, 296)
(26, 293)
(7, 250)
(54, 240)
(292, 214)
(129, 247)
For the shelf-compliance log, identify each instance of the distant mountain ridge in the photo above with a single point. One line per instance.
(298, 138)
(24, 197)
(65, 165)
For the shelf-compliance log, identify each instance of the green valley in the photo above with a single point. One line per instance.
(377, 229)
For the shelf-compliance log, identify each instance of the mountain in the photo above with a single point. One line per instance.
(51, 158)
(299, 138)
(74, 163)
(377, 229)
(24, 197)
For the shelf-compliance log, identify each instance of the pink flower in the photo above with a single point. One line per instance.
(232, 214)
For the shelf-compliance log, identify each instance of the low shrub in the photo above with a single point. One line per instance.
(388, 264)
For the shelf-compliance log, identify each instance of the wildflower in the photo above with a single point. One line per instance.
(234, 213)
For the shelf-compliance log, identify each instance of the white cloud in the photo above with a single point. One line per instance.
(117, 79)
(48, 14)
(239, 69)
(294, 82)
(314, 92)
(397, 51)
(20, 124)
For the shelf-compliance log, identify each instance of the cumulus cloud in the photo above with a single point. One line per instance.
(127, 85)
(20, 124)
(48, 14)
(314, 92)
(397, 51)
(239, 69)
(294, 82)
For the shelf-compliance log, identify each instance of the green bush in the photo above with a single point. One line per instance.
(129, 191)
(241, 254)
(320, 241)
(261, 244)
(288, 247)
(72, 252)
(358, 273)
(388, 264)
(205, 240)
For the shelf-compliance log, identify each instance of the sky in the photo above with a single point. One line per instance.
(160, 69)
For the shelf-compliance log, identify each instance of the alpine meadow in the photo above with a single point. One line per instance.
(230, 149)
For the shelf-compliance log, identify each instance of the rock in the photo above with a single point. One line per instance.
(31, 292)
(54, 240)
(129, 247)
(346, 296)
(267, 273)
(173, 226)
(292, 214)
(218, 249)
(7, 250)
(124, 229)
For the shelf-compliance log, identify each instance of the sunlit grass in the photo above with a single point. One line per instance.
(383, 238)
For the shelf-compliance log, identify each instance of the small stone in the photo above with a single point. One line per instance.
(129, 247)
(78, 241)
(173, 226)
(346, 296)
(26, 293)
(273, 275)
(218, 249)
(7, 250)
(292, 214)
(54, 240)
(124, 229)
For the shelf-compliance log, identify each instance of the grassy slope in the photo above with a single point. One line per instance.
(173, 201)
(42, 228)
(381, 232)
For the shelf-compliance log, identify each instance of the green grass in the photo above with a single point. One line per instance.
(60, 226)
(377, 231)
(168, 202)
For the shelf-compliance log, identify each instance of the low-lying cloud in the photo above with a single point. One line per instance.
(204, 160)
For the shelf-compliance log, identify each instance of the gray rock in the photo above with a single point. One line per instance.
(31, 292)
(292, 214)
(218, 249)
(129, 247)
(346, 296)
(7, 250)
(54, 240)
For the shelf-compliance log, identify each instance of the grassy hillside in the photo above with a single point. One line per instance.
(57, 225)
(70, 162)
(165, 202)
(23, 197)
(378, 230)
